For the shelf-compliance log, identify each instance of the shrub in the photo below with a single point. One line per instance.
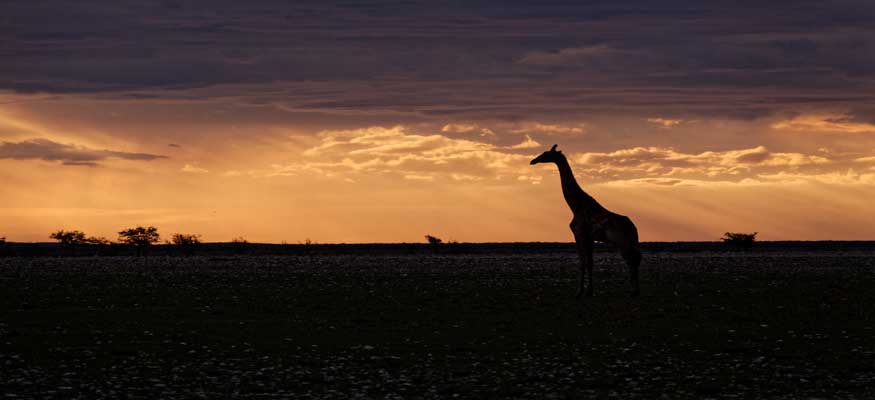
(432, 240)
(239, 244)
(186, 242)
(69, 238)
(307, 246)
(140, 237)
(743, 241)
(435, 242)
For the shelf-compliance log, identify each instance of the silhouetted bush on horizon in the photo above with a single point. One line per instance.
(743, 241)
(187, 243)
(433, 240)
(141, 238)
(71, 239)
(224, 249)
(240, 245)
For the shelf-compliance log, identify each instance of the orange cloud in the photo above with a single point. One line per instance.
(549, 129)
(837, 123)
(529, 143)
(466, 128)
(193, 169)
(395, 150)
(644, 164)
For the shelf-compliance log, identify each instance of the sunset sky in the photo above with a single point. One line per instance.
(383, 122)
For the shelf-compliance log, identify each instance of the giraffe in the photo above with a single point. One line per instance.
(594, 223)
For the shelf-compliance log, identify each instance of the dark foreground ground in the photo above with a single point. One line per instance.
(773, 324)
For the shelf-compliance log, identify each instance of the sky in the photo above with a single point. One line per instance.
(356, 122)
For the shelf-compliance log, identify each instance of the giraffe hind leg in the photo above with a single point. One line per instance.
(632, 256)
(584, 248)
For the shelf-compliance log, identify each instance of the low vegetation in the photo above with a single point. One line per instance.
(71, 239)
(187, 243)
(139, 237)
(742, 241)
(433, 240)
(240, 245)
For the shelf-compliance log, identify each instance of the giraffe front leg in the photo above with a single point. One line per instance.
(589, 265)
(584, 247)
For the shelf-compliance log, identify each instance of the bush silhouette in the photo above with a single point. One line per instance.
(239, 244)
(432, 240)
(743, 241)
(186, 242)
(69, 238)
(140, 237)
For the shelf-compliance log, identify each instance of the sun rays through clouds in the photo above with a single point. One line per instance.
(398, 152)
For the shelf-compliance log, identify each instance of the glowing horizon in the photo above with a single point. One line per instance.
(386, 125)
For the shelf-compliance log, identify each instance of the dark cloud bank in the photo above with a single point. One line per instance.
(68, 154)
(501, 59)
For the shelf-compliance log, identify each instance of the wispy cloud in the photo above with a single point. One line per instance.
(666, 166)
(415, 177)
(528, 143)
(396, 151)
(567, 56)
(460, 128)
(194, 169)
(549, 129)
(466, 128)
(67, 154)
(665, 122)
(836, 123)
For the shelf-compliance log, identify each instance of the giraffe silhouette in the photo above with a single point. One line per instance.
(594, 223)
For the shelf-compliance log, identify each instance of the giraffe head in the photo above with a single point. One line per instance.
(549, 156)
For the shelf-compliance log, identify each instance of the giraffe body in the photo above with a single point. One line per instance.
(594, 223)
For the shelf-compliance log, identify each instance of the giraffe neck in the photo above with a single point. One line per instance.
(574, 195)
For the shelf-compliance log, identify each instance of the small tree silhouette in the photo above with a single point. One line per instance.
(186, 242)
(140, 237)
(743, 241)
(69, 238)
(432, 240)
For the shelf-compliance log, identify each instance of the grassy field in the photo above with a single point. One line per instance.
(773, 324)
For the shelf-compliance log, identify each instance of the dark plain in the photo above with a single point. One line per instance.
(774, 323)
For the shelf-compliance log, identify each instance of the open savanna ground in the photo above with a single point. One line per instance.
(709, 324)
